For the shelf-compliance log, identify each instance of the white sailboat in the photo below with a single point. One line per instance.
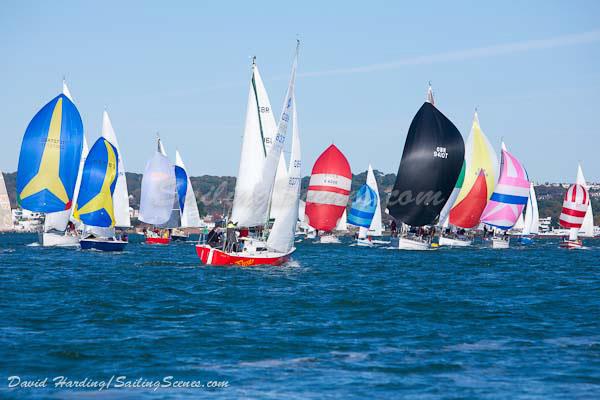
(55, 224)
(6, 221)
(376, 227)
(531, 222)
(587, 228)
(188, 208)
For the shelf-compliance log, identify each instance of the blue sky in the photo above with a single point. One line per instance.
(182, 68)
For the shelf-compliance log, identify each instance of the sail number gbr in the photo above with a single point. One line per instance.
(440, 152)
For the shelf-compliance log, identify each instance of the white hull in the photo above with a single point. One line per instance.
(499, 243)
(403, 243)
(51, 239)
(329, 239)
(364, 242)
(446, 241)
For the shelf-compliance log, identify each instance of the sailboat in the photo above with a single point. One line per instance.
(253, 195)
(55, 231)
(362, 213)
(376, 227)
(95, 206)
(477, 181)
(575, 207)
(429, 168)
(448, 237)
(508, 199)
(49, 163)
(186, 200)
(121, 194)
(531, 222)
(6, 221)
(158, 195)
(587, 227)
(328, 193)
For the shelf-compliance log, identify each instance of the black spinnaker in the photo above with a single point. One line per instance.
(433, 155)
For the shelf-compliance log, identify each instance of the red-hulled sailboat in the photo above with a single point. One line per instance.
(256, 179)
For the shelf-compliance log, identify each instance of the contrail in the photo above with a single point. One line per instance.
(469, 54)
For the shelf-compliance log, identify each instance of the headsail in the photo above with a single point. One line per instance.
(587, 228)
(532, 216)
(6, 221)
(480, 158)
(95, 201)
(376, 228)
(190, 217)
(509, 197)
(259, 134)
(121, 194)
(158, 190)
(49, 158)
(430, 165)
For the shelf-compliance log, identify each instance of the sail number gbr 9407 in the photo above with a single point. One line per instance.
(440, 152)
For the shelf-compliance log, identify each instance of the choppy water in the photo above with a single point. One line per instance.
(337, 322)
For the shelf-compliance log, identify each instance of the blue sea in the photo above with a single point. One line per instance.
(336, 322)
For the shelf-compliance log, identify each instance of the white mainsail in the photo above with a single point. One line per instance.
(532, 216)
(58, 221)
(6, 221)
(190, 217)
(121, 194)
(376, 227)
(342, 224)
(259, 137)
(158, 189)
(281, 237)
(587, 228)
(520, 224)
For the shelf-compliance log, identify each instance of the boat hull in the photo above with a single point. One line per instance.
(50, 239)
(181, 238)
(403, 243)
(364, 243)
(102, 245)
(329, 239)
(498, 243)
(451, 242)
(152, 240)
(525, 240)
(571, 244)
(211, 256)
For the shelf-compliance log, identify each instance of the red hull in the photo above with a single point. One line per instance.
(211, 256)
(150, 240)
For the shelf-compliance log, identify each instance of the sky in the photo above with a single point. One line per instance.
(183, 69)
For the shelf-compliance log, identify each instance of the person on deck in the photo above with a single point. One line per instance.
(214, 237)
(394, 229)
(231, 237)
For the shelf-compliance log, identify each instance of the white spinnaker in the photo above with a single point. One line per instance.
(190, 217)
(259, 136)
(264, 188)
(58, 220)
(158, 190)
(587, 228)
(6, 221)
(121, 194)
(281, 237)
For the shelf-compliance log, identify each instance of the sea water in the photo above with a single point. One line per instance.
(335, 322)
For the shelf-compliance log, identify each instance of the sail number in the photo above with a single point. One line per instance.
(440, 152)
(264, 109)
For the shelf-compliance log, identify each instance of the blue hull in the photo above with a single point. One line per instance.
(109, 245)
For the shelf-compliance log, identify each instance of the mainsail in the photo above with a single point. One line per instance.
(532, 217)
(49, 158)
(158, 189)
(510, 196)
(480, 160)
(429, 168)
(328, 190)
(587, 228)
(6, 221)
(376, 228)
(94, 205)
(121, 194)
(259, 136)
(190, 217)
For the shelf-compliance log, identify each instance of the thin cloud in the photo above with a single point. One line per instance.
(469, 54)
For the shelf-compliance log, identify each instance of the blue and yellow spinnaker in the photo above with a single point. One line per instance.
(95, 202)
(49, 158)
